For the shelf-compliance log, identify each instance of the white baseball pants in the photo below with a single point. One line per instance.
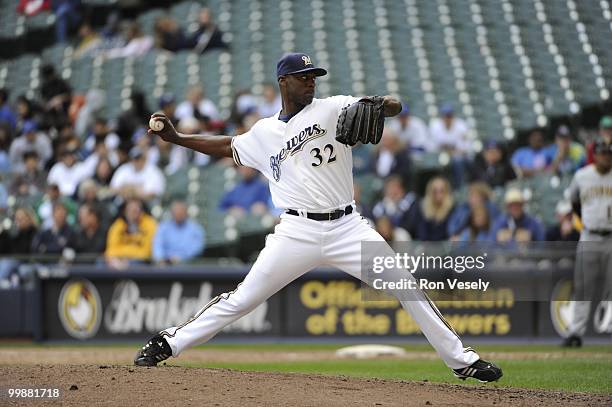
(298, 245)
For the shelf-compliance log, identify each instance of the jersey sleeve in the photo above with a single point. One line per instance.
(245, 149)
(342, 101)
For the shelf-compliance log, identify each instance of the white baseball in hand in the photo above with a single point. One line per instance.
(156, 125)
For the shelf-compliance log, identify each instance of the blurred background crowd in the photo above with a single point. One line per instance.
(82, 180)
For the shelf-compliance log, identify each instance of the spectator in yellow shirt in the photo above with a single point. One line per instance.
(130, 237)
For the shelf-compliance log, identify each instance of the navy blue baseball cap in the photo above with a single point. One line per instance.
(489, 144)
(29, 126)
(166, 99)
(447, 109)
(297, 63)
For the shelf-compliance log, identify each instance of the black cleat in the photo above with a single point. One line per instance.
(480, 370)
(153, 352)
(572, 342)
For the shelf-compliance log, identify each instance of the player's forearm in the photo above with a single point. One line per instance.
(216, 146)
(392, 106)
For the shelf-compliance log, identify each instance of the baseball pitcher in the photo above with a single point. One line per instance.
(305, 153)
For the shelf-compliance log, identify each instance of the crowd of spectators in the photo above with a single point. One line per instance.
(250, 195)
(90, 191)
(68, 13)
(83, 183)
(438, 215)
(80, 183)
(127, 38)
(120, 38)
(169, 35)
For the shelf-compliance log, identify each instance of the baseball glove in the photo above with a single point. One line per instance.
(363, 121)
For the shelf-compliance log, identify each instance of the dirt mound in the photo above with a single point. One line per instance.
(175, 385)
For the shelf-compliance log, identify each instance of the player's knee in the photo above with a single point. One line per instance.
(244, 304)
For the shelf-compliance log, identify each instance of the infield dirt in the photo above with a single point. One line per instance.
(84, 381)
(102, 385)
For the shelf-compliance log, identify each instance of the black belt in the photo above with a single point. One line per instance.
(337, 214)
(603, 233)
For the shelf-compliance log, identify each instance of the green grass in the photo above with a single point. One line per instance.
(306, 346)
(413, 347)
(576, 375)
(579, 370)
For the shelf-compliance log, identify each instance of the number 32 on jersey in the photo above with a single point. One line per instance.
(320, 157)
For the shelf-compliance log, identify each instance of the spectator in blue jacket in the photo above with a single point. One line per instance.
(478, 228)
(251, 194)
(565, 155)
(516, 225)
(178, 239)
(533, 159)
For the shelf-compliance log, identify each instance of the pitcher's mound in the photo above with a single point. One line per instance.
(95, 385)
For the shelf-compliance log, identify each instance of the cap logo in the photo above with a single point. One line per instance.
(306, 60)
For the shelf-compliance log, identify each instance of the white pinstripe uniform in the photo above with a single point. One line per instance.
(309, 172)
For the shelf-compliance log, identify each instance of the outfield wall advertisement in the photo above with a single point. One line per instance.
(98, 304)
(335, 307)
(107, 305)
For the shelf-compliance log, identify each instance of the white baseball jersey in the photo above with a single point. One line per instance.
(594, 192)
(307, 168)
